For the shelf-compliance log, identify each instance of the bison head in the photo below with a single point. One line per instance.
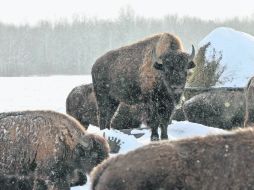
(173, 67)
(90, 151)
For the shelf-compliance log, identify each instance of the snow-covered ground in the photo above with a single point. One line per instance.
(49, 93)
(22, 93)
(237, 50)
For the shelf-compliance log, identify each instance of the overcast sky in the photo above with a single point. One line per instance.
(31, 11)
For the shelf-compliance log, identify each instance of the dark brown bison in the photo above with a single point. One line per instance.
(128, 117)
(178, 114)
(81, 104)
(151, 72)
(46, 150)
(220, 108)
(249, 99)
(215, 162)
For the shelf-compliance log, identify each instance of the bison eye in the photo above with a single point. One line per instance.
(191, 65)
(80, 150)
(158, 66)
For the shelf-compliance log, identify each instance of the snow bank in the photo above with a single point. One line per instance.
(237, 55)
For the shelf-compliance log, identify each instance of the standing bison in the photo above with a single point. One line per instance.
(221, 108)
(46, 150)
(81, 104)
(152, 72)
(217, 162)
(249, 99)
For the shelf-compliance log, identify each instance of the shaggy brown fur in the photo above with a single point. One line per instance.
(249, 99)
(222, 109)
(127, 117)
(46, 146)
(151, 72)
(81, 104)
(148, 77)
(218, 162)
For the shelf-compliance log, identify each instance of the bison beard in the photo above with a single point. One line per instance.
(151, 72)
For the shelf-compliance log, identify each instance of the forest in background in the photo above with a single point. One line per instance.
(71, 48)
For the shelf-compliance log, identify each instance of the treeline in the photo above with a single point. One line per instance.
(72, 47)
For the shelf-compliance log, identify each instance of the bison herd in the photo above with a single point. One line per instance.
(141, 83)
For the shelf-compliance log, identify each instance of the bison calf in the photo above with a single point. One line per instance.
(215, 162)
(46, 150)
(81, 104)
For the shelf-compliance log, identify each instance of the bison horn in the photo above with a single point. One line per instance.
(155, 58)
(85, 142)
(192, 55)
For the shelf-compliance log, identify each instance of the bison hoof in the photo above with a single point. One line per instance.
(40, 184)
(154, 138)
(164, 137)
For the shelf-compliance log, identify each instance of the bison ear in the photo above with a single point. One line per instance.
(191, 65)
(158, 66)
(156, 62)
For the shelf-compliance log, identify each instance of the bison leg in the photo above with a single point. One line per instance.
(165, 121)
(154, 134)
(106, 109)
(153, 124)
(106, 106)
(60, 185)
(78, 179)
(249, 113)
(164, 131)
(154, 121)
(40, 184)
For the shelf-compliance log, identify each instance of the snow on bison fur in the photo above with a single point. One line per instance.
(46, 150)
(81, 104)
(249, 99)
(152, 71)
(215, 162)
(220, 108)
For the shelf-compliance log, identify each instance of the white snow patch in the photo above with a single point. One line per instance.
(237, 55)
(44, 93)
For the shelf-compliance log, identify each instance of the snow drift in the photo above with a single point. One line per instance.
(237, 50)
